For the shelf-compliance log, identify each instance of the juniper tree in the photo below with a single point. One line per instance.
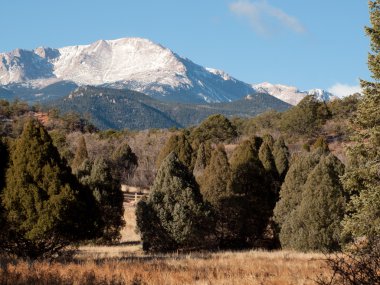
(124, 163)
(4, 156)
(256, 201)
(315, 224)
(174, 215)
(203, 159)
(215, 129)
(281, 157)
(267, 159)
(291, 189)
(215, 190)
(97, 177)
(46, 207)
(362, 179)
(179, 144)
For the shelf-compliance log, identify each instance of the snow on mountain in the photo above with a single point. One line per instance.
(291, 94)
(132, 63)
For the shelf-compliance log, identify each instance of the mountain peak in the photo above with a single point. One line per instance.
(291, 94)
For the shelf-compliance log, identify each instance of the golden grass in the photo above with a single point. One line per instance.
(126, 265)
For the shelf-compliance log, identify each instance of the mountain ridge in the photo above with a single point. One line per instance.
(128, 63)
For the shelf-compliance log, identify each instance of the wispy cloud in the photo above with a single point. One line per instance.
(260, 14)
(342, 90)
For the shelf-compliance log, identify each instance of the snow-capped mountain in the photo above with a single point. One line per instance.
(133, 63)
(291, 94)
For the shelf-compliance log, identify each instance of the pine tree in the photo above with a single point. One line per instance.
(174, 215)
(362, 179)
(281, 157)
(256, 200)
(108, 195)
(80, 155)
(315, 224)
(46, 207)
(179, 144)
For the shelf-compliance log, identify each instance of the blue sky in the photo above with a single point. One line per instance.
(308, 44)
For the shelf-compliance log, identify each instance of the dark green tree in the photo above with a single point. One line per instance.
(174, 215)
(215, 190)
(291, 190)
(97, 177)
(4, 157)
(81, 154)
(306, 118)
(46, 207)
(124, 163)
(362, 180)
(179, 144)
(315, 224)
(255, 198)
(281, 157)
(215, 129)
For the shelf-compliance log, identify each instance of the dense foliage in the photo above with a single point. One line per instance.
(362, 180)
(45, 206)
(174, 215)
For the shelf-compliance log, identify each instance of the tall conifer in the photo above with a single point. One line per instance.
(46, 208)
(362, 180)
(174, 216)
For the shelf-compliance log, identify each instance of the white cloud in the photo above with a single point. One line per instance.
(260, 14)
(341, 90)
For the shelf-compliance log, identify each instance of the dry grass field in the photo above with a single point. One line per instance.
(128, 265)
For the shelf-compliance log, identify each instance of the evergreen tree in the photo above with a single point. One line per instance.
(267, 159)
(4, 157)
(269, 140)
(255, 198)
(178, 144)
(124, 163)
(281, 157)
(80, 155)
(291, 190)
(46, 207)
(362, 180)
(316, 223)
(174, 215)
(306, 118)
(108, 195)
(215, 190)
(215, 129)
(203, 159)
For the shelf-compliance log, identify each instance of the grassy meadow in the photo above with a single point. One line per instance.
(127, 264)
